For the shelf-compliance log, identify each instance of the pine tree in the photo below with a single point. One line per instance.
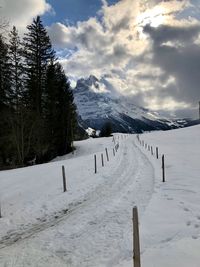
(38, 53)
(5, 88)
(60, 110)
(16, 68)
(106, 130)
(17, 114)
(37, 111)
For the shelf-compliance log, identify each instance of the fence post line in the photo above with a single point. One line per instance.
(64, 179)
(151, 150)
(163, 168)
(136, 239)
(107, 154)
(113, 152)
(102, 162)
(157, 152)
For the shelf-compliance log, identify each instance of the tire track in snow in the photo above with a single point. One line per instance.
(101, 225)
(108, 230)
(18, 235)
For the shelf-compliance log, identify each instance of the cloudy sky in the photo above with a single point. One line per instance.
(148, 50)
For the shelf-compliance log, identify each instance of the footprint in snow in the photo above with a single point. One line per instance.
(195, 237)
(167, 240)
(188, 223)
(186, 209)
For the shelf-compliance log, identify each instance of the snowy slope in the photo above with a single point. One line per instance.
(98, 104)
(170, 226)
(90, 224)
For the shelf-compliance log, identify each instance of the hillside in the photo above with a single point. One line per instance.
(91, 224)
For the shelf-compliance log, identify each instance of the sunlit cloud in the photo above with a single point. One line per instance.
(147, 50)
(21, 12)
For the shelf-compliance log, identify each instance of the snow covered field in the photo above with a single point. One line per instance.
(91, 224)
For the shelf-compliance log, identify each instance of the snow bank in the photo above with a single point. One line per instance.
(170, 227)
(91, 225)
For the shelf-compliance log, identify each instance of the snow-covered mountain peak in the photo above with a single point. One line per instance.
(91, 84)
(96, 105)
(87, 83)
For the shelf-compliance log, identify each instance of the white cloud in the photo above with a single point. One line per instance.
(115, 45)
(21, 12)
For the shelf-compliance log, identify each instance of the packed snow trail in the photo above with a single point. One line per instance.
(98, 230)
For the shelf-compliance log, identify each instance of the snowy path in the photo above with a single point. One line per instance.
(96, 231)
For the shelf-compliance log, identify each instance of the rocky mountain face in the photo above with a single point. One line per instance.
(97, 106)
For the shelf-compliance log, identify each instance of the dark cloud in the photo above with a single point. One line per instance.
(166, 33)
(160, 71)
(187, 113)
(180, 62)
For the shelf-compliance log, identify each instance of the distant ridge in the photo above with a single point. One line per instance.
(96, 106)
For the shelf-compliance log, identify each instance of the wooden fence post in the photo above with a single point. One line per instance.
(0, 212)
(102, 162)
(157, 152)
(163, 168)
(136, 239)
(114, 139)
(151, 150)
(64, 179)
(107, 154)
(113, 152)
(95, 164)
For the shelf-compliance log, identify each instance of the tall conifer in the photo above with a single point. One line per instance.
(38, 53)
